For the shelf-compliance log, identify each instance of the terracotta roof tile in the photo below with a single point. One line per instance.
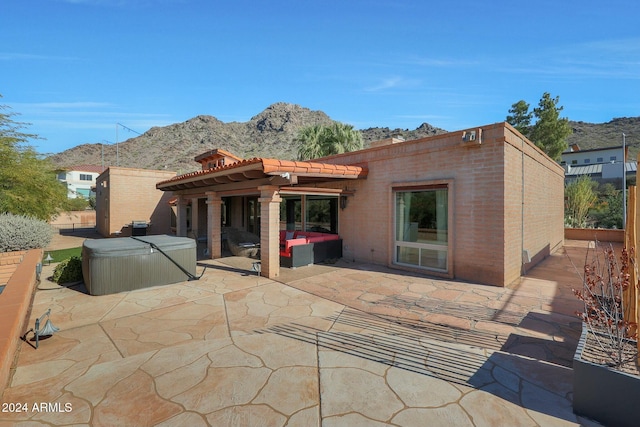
(275, 166)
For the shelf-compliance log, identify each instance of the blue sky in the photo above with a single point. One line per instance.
(75, 69)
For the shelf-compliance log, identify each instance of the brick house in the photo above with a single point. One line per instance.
(482, 204)
(124, 195)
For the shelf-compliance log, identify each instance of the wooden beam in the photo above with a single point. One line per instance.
(228, 187)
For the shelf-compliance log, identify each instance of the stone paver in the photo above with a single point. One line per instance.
(355, 345)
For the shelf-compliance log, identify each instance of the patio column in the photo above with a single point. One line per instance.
(194, 218)
(214, 215)
(181, 226)
(270, 230)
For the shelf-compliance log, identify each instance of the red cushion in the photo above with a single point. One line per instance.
(295, 242)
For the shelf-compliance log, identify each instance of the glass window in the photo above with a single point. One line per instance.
(612, 158)
(291, 213)
(587, 161)
(322, 214)
(599, 159)
(422, 230)
(253, 217)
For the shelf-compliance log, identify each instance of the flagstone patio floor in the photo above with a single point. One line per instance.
(347, 344)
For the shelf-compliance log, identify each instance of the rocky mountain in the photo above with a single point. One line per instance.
(590, 135)
(268, 134)
(271, 134)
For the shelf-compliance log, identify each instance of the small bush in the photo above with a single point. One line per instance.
(605, 296)
(77, 204)
(19, 233)
(69, 270)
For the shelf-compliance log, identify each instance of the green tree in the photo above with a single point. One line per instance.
(319, 141)
(580, 197)
(607, 211)
(310, 142)
(77, 204)
(520, 117)
(549, 132)
(28, 184)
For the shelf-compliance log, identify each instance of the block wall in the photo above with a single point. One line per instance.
(131, 195)
(485, 189)
(542, 203)
(534, 205)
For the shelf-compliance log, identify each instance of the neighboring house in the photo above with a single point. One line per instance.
(125, 196)
(603, 165)
(483, 204)
(80, 179)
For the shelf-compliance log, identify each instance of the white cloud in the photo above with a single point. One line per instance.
(611, 59)
(20, 56)
(64, 105)
(392, 83)
(441, 63)
(121, 3)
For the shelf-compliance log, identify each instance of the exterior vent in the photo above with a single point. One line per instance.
(469, 136)
(472, 137)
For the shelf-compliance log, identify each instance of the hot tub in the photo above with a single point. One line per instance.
(124, 264)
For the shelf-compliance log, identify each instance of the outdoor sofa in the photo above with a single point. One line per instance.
(299, 248)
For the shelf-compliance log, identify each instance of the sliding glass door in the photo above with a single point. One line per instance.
(421, 227)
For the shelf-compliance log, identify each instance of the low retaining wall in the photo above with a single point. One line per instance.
(15, 303)
(600, 234)
(9, 261)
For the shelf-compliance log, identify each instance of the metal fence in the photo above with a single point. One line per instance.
(74, 227)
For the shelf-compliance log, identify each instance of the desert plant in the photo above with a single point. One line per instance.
(604, 283)
(19, 232)
(28, 184)
(77, 204)
(320, 140)
(69, 270)
(579, 198)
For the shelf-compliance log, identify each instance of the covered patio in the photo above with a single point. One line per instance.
(247, 194)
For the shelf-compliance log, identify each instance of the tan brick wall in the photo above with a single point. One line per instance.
(78, 218)
(486, 199)
(541, 204)
(599, 234)
(131, 195)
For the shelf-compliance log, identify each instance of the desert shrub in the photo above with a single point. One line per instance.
(77, 204)
(19, 233)
(606, 282)
(69, 270)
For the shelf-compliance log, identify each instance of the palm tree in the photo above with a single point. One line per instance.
(319, 141)
(310, 142)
